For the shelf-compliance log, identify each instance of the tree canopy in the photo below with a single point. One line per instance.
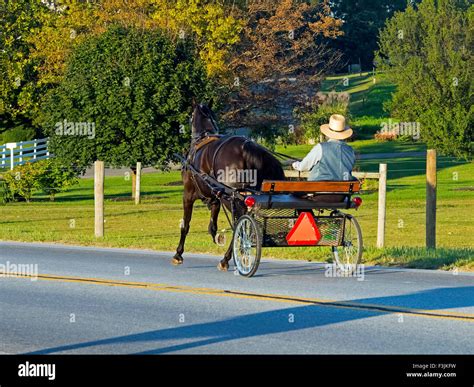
(362, 21)
(37, 38)
(125, 97)
(427, 52)
(19, 87)
(280, 61)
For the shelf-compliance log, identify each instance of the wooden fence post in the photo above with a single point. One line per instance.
(134, 180)
(99, 198)
(431, 199)
(382, 205)
(137, 182)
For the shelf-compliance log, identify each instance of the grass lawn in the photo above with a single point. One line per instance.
(154, 224)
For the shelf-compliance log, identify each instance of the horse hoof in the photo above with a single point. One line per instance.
(219, 239)
(177, 260)
(222, 267)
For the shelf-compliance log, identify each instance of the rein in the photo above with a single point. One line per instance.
(283, 156)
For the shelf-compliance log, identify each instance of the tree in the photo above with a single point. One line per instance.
(125, 97)
(362, 21)
(279, 62)
(19, 88)
(214, 26)
(71, 22)
(37, 38)
(427, 52)
(205, 21)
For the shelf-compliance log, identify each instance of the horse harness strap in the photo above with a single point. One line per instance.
(224, 141)
(200, 143)
(205, 141)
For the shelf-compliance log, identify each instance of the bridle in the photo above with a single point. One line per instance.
(211, 118)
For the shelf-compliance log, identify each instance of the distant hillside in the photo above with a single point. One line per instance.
(366, 99)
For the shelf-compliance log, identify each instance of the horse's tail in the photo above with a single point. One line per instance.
(260, 159)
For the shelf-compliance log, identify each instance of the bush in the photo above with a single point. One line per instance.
(55, 177)
(324, 106)
(270, 136)
(4, 193)
(22, 181)
(17, 134)
(385, 136)
(293, 135)
(48, 176)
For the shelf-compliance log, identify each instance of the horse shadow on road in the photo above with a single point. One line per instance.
(195, 337)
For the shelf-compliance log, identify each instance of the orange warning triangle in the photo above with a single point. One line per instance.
(304, 232)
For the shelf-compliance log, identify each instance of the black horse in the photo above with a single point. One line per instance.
(217, 156)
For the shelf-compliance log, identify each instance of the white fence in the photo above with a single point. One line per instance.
(18, 153)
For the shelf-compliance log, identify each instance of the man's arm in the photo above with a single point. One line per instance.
(311, 159)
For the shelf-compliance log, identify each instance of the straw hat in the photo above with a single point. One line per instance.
(336, 128)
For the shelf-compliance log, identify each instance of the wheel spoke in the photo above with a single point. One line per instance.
(351, 247)
(246, 250)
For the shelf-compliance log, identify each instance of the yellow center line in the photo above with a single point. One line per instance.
(434, 313)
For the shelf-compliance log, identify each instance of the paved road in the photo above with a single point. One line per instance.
(90, 300)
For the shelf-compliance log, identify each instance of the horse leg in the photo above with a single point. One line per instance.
(224, 263)
(188, 211)
(212, 229)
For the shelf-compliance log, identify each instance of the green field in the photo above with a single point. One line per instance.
(366, 102)
(154, 224)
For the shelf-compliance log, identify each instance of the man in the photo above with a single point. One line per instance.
(332, 160)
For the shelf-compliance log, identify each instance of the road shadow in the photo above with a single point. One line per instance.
(274, 322)
(311, 268)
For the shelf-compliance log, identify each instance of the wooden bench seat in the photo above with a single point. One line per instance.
(320, 187)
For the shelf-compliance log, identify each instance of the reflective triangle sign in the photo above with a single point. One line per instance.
(304, 232)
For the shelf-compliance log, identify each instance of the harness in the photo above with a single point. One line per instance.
(225, 141)
(200, 143)
(197, 144)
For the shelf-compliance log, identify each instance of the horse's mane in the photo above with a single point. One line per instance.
(259, 158)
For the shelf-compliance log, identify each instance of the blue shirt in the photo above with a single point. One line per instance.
(328, 161)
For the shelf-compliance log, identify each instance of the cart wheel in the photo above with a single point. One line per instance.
(349, 255)
(247, 246)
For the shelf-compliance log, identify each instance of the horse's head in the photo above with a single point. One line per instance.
(203, 121)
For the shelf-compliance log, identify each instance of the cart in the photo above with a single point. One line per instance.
(290, 214)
